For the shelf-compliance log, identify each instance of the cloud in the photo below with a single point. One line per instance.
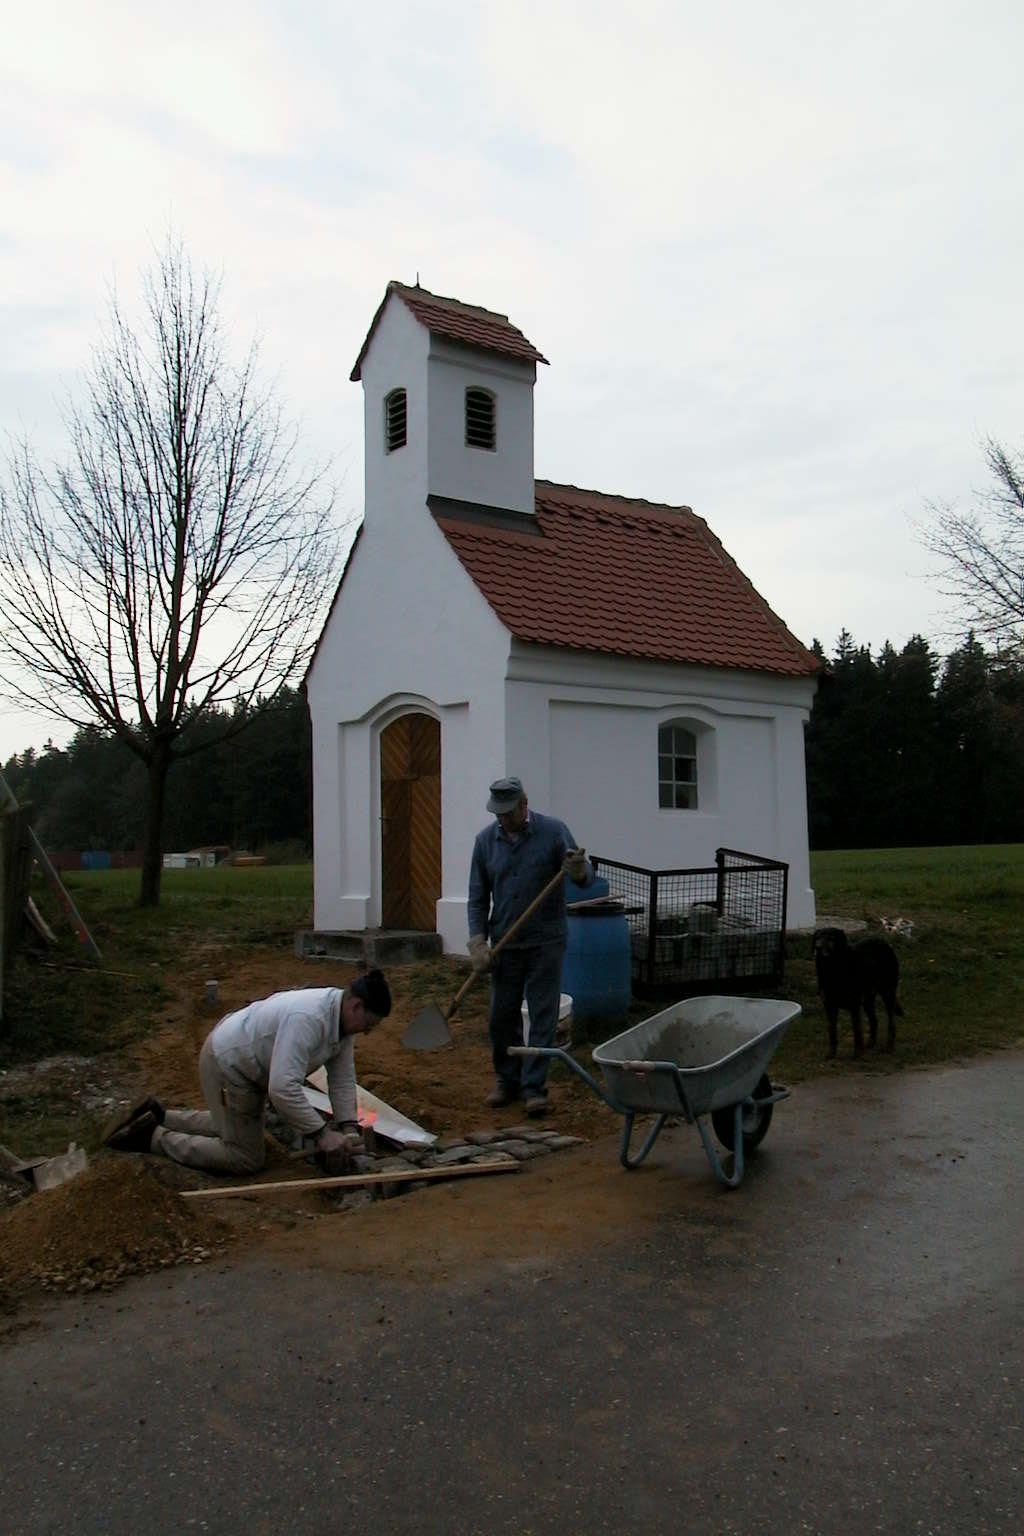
(773, 253)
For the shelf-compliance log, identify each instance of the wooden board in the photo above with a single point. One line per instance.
(395, 1176)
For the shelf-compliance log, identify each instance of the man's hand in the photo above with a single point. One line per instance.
(330, 1140)
(479, 954)
(576, 867)
(352, 1132)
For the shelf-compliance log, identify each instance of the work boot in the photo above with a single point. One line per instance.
(136, 1136)
(501, 1094)
(536, 1104)
(126, 1117)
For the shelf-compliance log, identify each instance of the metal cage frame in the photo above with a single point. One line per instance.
(701, 928)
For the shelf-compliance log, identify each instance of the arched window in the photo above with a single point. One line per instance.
(394, 420)
(677, 767)
(481, 419)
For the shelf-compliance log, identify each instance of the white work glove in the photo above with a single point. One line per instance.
(479, 953)
(576, 867)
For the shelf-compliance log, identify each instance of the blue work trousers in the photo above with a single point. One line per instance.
(534, 974)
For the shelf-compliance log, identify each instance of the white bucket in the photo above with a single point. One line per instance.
(564, 1026)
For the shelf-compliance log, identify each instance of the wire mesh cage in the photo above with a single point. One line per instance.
(704, 928)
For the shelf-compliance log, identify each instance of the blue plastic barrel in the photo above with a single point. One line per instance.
(596, 970)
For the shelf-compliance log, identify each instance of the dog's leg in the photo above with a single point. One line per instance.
(858, 1031)
(869, 1009)
(891, 1010)
(832, 1014)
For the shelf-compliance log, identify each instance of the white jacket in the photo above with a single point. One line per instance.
(275, 1043)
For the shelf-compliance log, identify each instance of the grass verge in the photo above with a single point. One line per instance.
(962, 983)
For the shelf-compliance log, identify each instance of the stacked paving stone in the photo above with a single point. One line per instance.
(518, 1143)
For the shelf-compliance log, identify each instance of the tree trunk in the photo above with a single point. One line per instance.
(152, 840)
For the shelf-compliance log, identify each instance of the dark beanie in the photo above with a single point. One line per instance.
(374, 991)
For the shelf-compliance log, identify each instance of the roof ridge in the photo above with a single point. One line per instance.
(632, 501)
(396, 285)
(455, 321)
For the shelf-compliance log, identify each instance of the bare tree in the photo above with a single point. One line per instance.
(982, 551)
(178, 558)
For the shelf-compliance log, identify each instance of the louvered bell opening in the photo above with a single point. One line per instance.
(480, 419)
(394, 420)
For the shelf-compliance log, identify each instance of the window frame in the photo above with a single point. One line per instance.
(393, 395)
(679, 752)
(481, 394)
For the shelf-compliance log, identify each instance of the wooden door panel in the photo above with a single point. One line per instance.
(425, 851)
(395, 904)
(410, 783)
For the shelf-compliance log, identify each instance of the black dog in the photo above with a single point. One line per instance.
(851, 976)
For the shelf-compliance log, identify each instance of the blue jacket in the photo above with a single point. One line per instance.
(505, 876)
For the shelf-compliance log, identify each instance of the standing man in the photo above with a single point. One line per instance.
(265, 1051)
(513, 859)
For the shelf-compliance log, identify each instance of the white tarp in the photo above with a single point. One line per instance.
(372, 1112)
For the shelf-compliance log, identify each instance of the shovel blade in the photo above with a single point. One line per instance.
(428, 1031)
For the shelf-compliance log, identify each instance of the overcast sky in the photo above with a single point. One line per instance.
(773, 251)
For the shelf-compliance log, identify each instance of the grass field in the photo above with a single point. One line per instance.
(962, 971)
(962, 981)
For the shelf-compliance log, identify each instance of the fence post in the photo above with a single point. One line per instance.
(57, 885)
(652, 928)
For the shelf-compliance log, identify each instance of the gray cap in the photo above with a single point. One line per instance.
(505, 796)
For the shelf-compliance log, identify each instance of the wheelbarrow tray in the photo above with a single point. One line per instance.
(699, 1055)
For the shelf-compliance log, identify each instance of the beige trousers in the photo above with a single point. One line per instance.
(227, 1137)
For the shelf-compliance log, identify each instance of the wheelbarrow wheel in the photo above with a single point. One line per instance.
(755, 1122)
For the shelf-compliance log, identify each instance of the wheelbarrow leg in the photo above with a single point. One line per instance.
(627, 1131)
(730, 1180)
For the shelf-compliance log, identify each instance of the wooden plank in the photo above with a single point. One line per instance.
(394, 1176)
(58, 887)
(39, 922)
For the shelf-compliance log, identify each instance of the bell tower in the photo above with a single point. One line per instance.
(448, 404)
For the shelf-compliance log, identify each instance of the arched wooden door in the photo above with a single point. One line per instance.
(410, 797)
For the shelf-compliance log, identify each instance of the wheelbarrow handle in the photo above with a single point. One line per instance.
(556, 1053)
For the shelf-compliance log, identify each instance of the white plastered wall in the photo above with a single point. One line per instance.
(504, 477)
(599, 719)
(409, 631)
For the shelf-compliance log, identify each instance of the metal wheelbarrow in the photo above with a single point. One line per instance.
(703, 1056)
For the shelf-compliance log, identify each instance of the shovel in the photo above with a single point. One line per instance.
(428, 1031)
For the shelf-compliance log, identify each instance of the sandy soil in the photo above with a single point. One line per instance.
(124, 1216)
(441, 1090)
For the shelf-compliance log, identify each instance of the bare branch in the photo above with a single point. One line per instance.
(179, 558)
(981, 551)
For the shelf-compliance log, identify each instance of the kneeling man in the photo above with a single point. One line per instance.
(265, 1051)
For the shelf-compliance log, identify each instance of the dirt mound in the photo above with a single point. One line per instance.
(124, 1217)
(116, 1219)
(441, 1090)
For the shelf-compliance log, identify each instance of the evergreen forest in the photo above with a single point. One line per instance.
(904, 748)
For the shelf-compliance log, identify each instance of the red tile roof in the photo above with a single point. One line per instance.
(466, 324)
(619, 576)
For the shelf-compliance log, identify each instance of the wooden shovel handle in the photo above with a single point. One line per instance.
(505, 938)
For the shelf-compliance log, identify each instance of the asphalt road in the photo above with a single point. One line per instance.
(835, 1348)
